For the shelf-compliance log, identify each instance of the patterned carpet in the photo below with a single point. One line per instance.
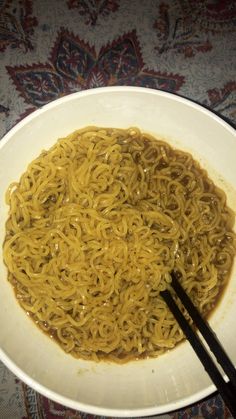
(50, 48)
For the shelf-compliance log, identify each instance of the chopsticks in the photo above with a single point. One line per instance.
(227, 390)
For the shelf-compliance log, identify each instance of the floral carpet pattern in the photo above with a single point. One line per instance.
(74, 65)
(92, 9)
(49, 49)
(16, 24)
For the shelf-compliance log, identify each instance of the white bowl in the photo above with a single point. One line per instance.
(138, 388)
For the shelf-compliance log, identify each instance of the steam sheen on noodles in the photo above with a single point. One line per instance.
(96, 225)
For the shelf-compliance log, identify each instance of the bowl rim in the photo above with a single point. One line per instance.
(9, 362)
(104, 411)
(111, 89)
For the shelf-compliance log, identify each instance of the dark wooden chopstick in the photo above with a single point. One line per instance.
(206, 331)
(227, 390)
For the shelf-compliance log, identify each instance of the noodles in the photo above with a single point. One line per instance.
(96, 225)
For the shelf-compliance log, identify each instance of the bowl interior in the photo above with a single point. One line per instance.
(142, 387)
